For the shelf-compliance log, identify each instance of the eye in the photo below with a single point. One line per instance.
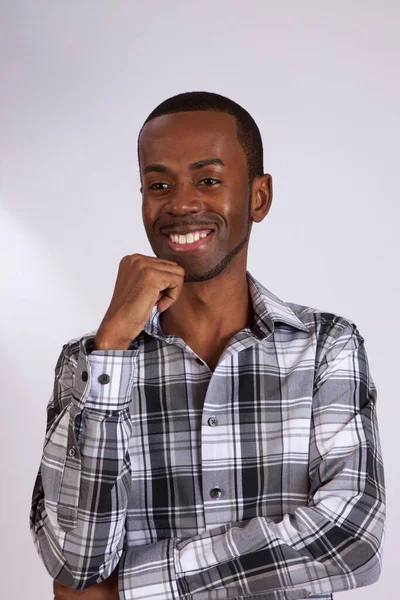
(157, 183)
(210, 179)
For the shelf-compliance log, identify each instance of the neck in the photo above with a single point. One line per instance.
(212, 310)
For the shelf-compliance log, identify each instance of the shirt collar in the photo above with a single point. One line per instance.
(268, 309)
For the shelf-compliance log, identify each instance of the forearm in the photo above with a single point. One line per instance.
(305, 553)
(83, 486)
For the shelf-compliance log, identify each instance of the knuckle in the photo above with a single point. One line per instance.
(124, 260)
(130, 258)
(147, 272)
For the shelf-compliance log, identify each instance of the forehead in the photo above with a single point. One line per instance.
(185, 137)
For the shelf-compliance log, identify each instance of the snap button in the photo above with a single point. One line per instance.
(213, 421)
(216, 493)
(104, 378)
(71, 452)
(84, 375)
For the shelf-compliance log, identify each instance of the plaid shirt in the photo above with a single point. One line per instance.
(262, 479)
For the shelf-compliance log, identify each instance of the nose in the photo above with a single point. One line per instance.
(184, 199)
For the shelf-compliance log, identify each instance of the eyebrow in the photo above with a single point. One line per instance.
(196, 165)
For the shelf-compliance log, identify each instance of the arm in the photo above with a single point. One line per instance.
(81, 492)
(82, 488)
(331, 545)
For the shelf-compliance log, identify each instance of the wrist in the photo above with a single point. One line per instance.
(102, 342)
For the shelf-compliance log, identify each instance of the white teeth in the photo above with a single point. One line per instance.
(189, 238)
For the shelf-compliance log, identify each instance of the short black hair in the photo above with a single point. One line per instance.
(248, 133)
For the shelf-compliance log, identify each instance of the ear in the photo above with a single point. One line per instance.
(261, 197)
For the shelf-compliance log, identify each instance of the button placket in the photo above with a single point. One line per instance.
(216, 484)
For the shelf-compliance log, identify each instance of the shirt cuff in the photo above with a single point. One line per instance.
(105, 376)
(148, 573)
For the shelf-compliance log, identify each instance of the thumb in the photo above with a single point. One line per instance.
(164, 303)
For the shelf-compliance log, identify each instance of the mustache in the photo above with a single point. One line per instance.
(186, 222)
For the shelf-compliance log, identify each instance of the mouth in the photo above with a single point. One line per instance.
(190, 241)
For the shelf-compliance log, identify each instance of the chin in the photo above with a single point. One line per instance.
(204, 275)
(196, 277)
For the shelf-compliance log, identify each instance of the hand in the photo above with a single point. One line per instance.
(142, 282)
(106, 590)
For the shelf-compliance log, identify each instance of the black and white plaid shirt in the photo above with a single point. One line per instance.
(262, 479)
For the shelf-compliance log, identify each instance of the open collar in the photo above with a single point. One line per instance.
(268, 310)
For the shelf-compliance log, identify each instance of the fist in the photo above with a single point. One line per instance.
(142, 282)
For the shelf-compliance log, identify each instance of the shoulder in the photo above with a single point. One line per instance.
(332, 335)
(323, 322)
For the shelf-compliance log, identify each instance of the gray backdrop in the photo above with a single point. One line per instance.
(78, 78)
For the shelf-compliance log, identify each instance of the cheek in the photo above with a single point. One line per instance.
(235, 203)
(236, 213)
(149, 216)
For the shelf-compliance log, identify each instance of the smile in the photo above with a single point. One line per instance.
(188, 238)
(186, 242)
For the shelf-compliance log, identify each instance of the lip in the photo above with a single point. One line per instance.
(199, 245)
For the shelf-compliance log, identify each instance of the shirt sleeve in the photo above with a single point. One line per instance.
(82, 488)
(331, 545)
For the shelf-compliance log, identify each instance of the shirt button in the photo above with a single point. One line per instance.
(104, 378)
(84, 375)
(216, 493)
(71, 452)
(213, 421)
(199, 361)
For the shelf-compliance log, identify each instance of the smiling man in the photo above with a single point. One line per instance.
(208, 440)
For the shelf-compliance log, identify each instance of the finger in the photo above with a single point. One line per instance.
(154, 260)
(169, 267)
(169, 296)
(170, 283)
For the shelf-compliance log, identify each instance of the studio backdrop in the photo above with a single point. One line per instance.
(78, 78)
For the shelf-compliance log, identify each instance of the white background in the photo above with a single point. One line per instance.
(78, 79)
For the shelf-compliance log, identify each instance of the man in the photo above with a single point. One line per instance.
(209, 440)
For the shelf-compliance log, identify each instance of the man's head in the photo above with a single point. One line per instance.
(181, 193)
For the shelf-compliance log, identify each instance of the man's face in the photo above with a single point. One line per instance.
(196, 215)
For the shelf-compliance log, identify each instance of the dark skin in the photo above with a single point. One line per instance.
(184, 196)
(106, 590)
(215, 289)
